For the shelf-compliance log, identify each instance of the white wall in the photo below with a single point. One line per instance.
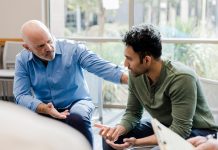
(15, 12)
(57, 19)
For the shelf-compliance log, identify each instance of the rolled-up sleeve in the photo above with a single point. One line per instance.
(22, 88)
(94, 64)
(134, 110)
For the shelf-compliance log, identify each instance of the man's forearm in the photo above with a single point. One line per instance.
(149, 140)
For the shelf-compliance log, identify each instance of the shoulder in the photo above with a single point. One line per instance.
(24, 55)
(69, 44)
(177, 69)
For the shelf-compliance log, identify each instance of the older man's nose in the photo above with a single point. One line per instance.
(49, 47)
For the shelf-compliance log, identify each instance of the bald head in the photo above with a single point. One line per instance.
(33, 29)
(38, 40)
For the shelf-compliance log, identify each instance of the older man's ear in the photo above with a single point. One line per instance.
(25, 46)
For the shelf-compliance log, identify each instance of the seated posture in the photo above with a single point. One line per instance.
(53, 70)
(22, 129)
(204, 143)
(169, 91)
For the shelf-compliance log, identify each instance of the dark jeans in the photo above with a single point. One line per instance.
(144, 129)
(80, 118)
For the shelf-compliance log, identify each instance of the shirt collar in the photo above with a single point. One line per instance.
(162, 76)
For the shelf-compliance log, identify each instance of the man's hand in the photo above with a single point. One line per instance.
(131, 141)
(198, 140)
(50, 110)
(118, 146)
(202, 143)
(124, 78)
(127, 143)
(110, 133)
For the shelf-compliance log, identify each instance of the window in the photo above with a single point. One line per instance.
(180, 18)
(90, 18)
(188, 28)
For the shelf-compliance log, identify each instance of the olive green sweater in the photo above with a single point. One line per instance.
(176, 100)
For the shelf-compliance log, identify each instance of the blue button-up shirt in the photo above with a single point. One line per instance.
(61, 81)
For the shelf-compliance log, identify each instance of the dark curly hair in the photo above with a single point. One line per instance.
(145, 40)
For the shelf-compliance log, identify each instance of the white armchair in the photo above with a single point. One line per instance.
(95, 88)
(11, 49)
(210, 88)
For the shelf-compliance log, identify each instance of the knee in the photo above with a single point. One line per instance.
(74, 119)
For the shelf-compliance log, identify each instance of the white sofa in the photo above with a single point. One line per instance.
(22, 129)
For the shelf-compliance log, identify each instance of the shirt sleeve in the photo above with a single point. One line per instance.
(22, 88)
(134, 110)
(94, 64)
(183, 95)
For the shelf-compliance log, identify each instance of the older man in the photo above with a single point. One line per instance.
(53, 70)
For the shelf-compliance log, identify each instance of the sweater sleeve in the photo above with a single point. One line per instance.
(183, 95)
(134, 110)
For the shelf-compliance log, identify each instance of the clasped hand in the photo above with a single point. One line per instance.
(111, 134)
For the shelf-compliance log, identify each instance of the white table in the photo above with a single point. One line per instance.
(5, 76)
